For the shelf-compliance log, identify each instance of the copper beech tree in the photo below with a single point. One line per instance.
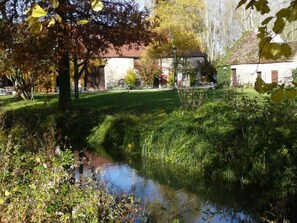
(77, 30)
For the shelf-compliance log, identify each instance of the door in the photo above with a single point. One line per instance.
(274, 76)
(96, 78)
(234, 77)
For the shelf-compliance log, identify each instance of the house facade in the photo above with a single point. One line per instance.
(118, 64)
(246, 65)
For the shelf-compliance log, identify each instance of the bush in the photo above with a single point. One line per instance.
(224, 75)
(37, 187)
(131, 77)
(171, 79)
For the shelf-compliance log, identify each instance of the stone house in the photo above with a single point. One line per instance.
(118, 63)
(246, 65)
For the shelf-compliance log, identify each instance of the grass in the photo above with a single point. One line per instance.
(134, 102)
(150, 107)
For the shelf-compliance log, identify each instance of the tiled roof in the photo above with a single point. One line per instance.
(135, 51)
(246, 51)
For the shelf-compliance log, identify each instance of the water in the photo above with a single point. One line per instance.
(165, 201)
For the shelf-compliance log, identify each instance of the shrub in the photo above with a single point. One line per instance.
(37, 187)
(171, 79)
(224, 75)
(131, 77)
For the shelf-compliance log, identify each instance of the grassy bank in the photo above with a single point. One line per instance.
(228, 137)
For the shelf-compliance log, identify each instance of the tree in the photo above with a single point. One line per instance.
(148, 69)
(124, 24)
(73, 28)
(180, 26)
(224, 25)
(25, 60)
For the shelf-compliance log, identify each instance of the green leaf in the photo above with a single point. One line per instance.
(38, 12)
(242, 2)
(286, 49)
(97, 5)
(259, 85)
(250, 4)
(267, 20)
(279, 25)
(269, 87)
(283, 13)
(1, 200)
(278, 95)
(293, 14)
(82, 22)
(290, 93)
(262, 6)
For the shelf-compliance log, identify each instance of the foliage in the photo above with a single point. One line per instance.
(207, 70)
(119, 135)
(179, 23)
(131, 77)
(148, 69)
(23, 64)
(38, 187)
(68, 27)
(224, 75)
(286, 14)
(269, 49)
(238, 140)
(171, 78)
(294, 74)
(278, 93)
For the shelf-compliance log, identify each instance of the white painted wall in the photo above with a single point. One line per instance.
(166, 64)
(116, 69)
(247, 73)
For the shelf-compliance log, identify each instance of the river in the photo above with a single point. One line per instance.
(167, 200)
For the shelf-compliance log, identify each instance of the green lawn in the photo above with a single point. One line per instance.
(134, 102)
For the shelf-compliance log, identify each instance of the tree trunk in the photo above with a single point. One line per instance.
(64, 83)
(76, 90)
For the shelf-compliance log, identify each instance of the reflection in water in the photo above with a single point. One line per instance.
(161, 200)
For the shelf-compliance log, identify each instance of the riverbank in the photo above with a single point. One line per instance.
(227, 138)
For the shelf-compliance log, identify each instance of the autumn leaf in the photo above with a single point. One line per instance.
(38, 12)
(82, 22)
(97, 5)
(6, 193)
(55, 3)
